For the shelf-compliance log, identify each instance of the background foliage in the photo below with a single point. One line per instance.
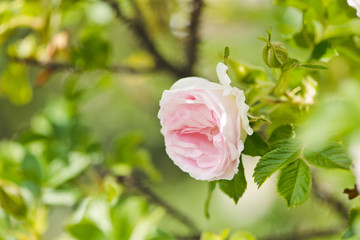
(81, 152)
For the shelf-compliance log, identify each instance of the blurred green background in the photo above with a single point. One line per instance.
(100, 104)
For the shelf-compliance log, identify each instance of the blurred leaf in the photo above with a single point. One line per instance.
(212, 186)
(282, 132)
(212, 236)
(245, 73)
(235, 188)
(11, 152)
(332, 155)
(126, 214)
(242, 236)
(11, 199)
(255, 145)
(15, 85)
(353, 231)
(61, 197)
(294, 183)
(32, 168)
(112, 188)
(92, 51)
(273, 161)
(86, 230)
(78, 162)
(128, 155)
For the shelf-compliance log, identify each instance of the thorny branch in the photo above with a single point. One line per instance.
(138, 27)
(140, 186)
(193, 38)
(337, 205)
(60, 66)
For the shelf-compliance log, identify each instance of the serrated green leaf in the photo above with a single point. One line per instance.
(235, 188)
(332, 155)
(272, 161)
(295, 183)
(282, 132)
(212, 186)
(255, 145)
(285, 143)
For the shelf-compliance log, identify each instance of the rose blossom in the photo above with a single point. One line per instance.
(355, 4)
(205, 125)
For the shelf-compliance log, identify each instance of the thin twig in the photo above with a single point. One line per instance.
(139, 29)
(337, 205)
(304, 235)
(136, 183)
(193, 38)
(61, 66)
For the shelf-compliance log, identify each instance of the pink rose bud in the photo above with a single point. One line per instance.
(355, 4)
(205, 125)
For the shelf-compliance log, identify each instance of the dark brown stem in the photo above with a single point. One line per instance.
(193, 38)
(137, 184)
(138, 27)
(304, 235)
(60, 66)
(333, 202)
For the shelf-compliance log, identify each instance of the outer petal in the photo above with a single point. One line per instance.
(194, 83)
(221, 70)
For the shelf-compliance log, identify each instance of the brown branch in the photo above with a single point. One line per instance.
(193, 38)
(305, 235)
(137, 184)
(44, 64)
(337, 205)
(61, 66)
(138, 28)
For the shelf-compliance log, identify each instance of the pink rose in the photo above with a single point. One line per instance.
(355, 4)
(205, 125)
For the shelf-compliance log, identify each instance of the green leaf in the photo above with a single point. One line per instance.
(14, 84)
(295, 183)
(241, 235)
(213, 236)
(282, 132)
(332, 155)
(272, 161)
(354, 225)
(86, 230)
(212, 186)
(78, 162)
(235, 188)
(255, 145)
(11, 200)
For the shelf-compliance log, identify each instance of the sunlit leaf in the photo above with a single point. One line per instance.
(294, 183)
(273, 161)
(332, 155)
